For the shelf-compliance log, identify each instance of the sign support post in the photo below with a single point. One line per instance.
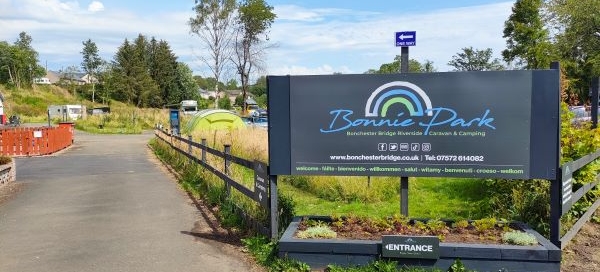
(404, 180)
(556, 190)
(404, 59)
(273, 209)
(404, 39)
(404, 196)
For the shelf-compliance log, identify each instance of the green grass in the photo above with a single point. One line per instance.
(315, 195)
(123, 119)
(427, 198)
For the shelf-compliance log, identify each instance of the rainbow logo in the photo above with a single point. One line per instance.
(414, 99)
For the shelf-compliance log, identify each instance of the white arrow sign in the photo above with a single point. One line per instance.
(259, 196)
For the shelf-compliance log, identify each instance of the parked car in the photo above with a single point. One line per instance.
(261, 122)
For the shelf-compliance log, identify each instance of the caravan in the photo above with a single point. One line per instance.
(66, 112)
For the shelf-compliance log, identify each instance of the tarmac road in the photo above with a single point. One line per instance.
(102, 205)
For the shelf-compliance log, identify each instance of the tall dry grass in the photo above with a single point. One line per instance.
(252, 144)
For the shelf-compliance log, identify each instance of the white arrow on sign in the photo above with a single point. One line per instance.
(260, 196)
(402, 36)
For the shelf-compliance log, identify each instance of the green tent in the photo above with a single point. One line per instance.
(213, 119)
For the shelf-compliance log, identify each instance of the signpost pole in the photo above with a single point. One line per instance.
(556, 190)
(404, 59)
(273, 207)
(404, 196)
(404, 180)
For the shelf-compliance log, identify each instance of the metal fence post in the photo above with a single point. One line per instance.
(190, 144)
(273, 207)
(203, 142)
(226, 168)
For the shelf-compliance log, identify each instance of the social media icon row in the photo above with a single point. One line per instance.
(425, 147)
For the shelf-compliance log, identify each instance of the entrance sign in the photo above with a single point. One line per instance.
(406, 38)
(499, 124)
(411, 247)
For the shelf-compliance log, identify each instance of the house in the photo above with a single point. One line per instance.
(232, 94)
(205, 94)
(41, 81)
(89, 79)
(78, 78)
(53, 76)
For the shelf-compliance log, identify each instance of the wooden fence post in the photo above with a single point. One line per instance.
(226, 168)
(203, 142)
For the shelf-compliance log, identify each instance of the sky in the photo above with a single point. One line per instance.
(307, 37)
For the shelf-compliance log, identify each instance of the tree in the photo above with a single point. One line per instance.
(475, 60)
(91, 63)
(213, 23)
(69, 77)
(254, 20)
(231, 84)
(163, 68)
(527, 40)
(576, 25)
(131, 77)
(19, 61)
(186, 83)
(260, 86)
(224, 103)
(414, 66)
(239, 101)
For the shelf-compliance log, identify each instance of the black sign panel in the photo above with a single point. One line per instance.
(411, 247)
(464, 124)
(261, 183)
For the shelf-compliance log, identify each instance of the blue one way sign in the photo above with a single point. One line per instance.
(406, 38)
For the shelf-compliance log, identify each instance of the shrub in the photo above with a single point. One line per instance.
(519, 238)
(5, 160)
(317, 231)
(484, 224)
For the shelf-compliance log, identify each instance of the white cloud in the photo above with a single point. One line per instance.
(96, 6)
(309, 41)
(363, 44)
(303, 70)
(58, 28)
(297, 13)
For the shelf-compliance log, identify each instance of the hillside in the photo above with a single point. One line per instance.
(31, 106)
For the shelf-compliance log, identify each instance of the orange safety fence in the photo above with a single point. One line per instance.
(34, 141)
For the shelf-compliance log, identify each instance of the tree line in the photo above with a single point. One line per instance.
(537, 32)
(146, 72)
(234, 34)
(19, 62)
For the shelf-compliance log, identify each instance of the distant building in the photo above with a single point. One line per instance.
(232, 94)
(205, 94)
(53, 76)
(41, 81)
(78, 78)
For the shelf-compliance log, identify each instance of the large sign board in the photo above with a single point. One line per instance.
(462, 124)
